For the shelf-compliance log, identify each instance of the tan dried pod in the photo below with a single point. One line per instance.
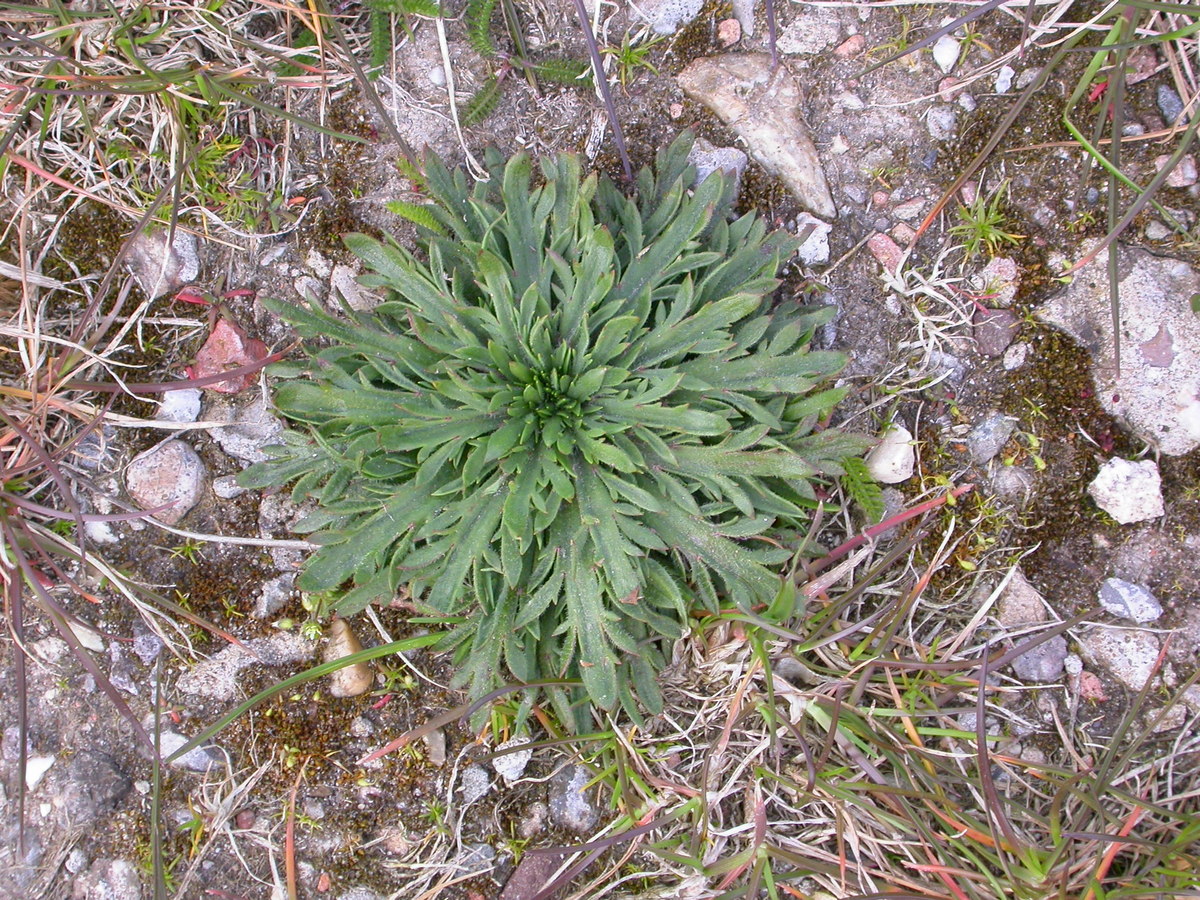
(353, 679)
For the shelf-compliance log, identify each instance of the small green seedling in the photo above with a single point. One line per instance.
(982, 225)
(633, 56)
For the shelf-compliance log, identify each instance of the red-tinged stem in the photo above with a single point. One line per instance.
(289, 837)
(164, 386)
(891, 522)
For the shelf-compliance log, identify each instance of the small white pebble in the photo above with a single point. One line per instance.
(1004, 79)
(945, 52)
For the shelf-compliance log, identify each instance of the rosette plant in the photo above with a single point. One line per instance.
(576, 418)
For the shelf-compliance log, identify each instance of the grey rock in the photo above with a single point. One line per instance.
(18, 872)
(942, 122)
(1044, 663)
(1004, 79)
(1020, 603)
(161, 264)
(36, 768)
(226, 487)
(314, 809)
(995, 329)
(1157, 231)
(1128, 491)
(1015, 356)
(12, 743)
(989, 437)
(277, 515)
(1001, 278)
(1028, 77)
(109, 879)
(511, 765)
(360, 893)
(1169, 103)
(77, 861)
(1128, 653)
(708, 159)
(571, 807)
(198, 759)
(475, 857)
(475, 784)
(533, 823)
(855, 193)
(665, 16)
(95, 450)
(274, 595)
(909, 210)
(171, 476)
(815, 249)
(1129, 601)
(220, 676)
(95, 784)
(308, 287)
(850, 101)
(180, 405)
(147, 646)
(813, 31)
(762, 106)
(942, 362)
(1185, 216)
(252, 427)
(343, 282)
(120, 671)
(435, 747)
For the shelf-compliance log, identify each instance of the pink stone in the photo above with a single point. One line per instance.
(909, 209)
(850, 47)
(1183, 175)
(1142, 64)
(886, 251)
(904, 234)
(949, 88)
(729, 32)
(1090, 687)
(227, 348)
(1159, 351)
(995, 329)
(880, 198)
(167, 480)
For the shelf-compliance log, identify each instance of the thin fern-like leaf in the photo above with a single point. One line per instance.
(416, 213)
(381, 40)
(478, 18)
(862, 488)
(482, 103)
(563, 71)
